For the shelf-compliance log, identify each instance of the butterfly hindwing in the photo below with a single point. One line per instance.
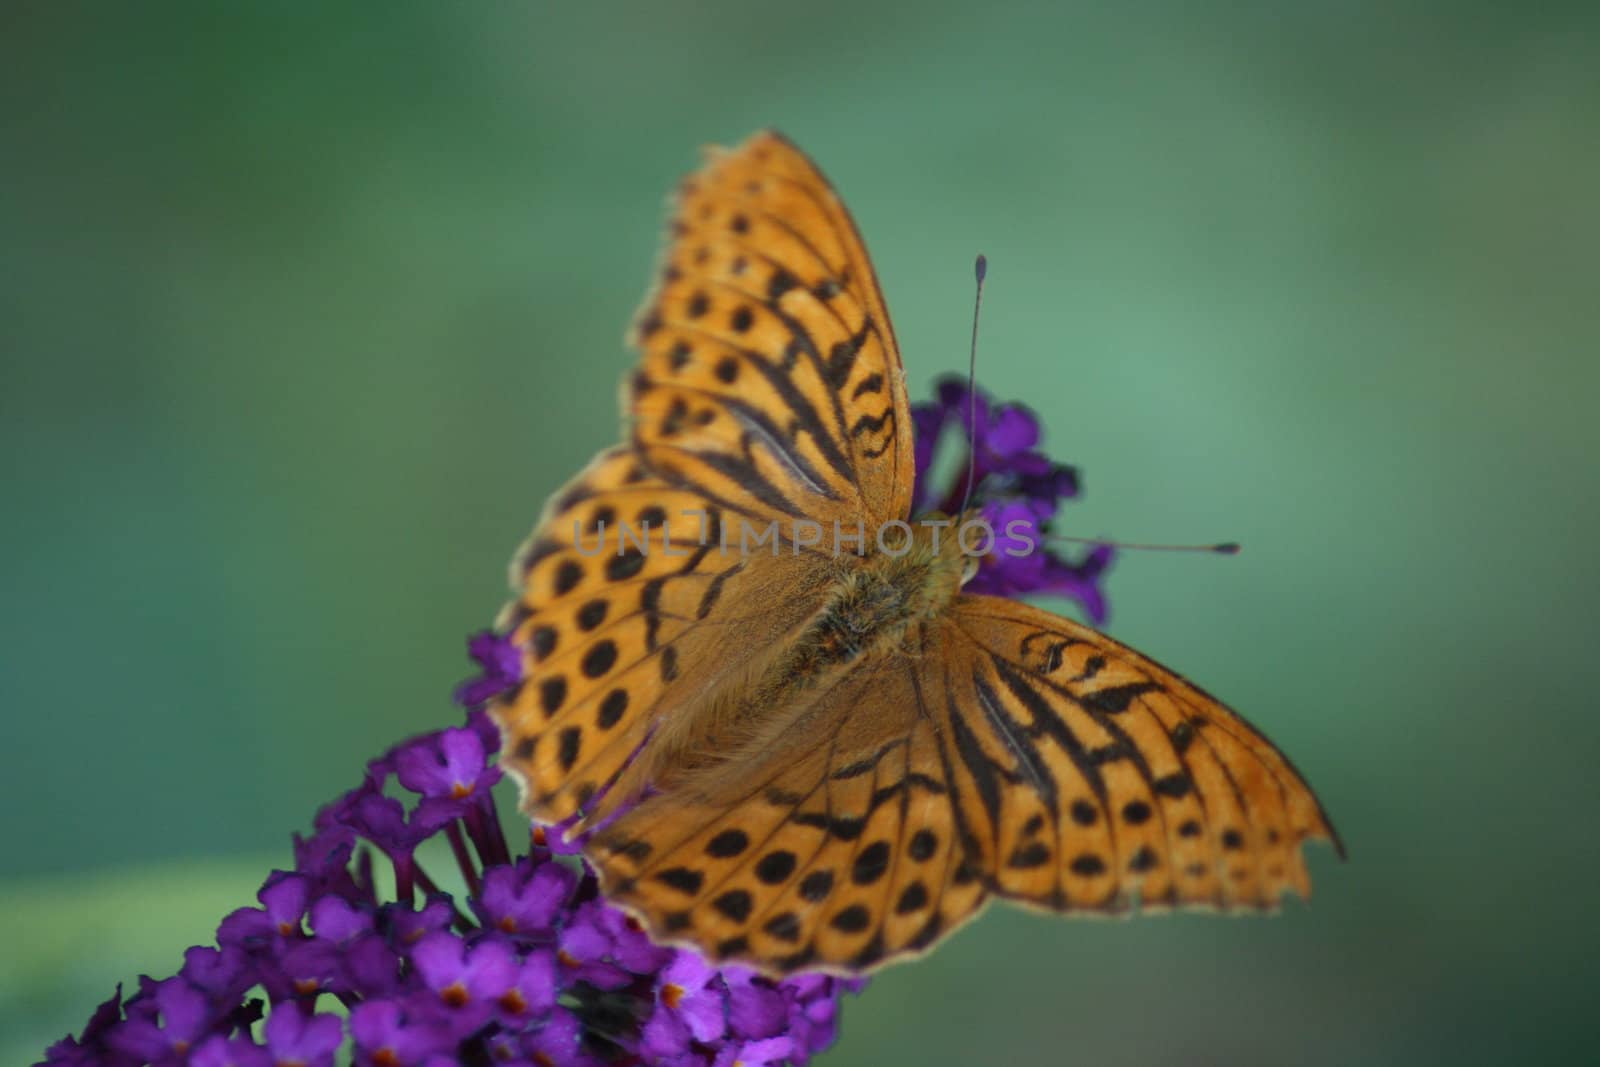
(835, 851)
(1085, 775)
(770, 378)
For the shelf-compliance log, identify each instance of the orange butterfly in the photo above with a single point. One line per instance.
(840, 755)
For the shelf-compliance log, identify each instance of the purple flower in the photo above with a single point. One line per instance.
(220, 1051)
(1079, 581)
(165, 1020)
(451, 765)
(336, 919)
(466, 991)
(1016, 488)
(486, 979)
(814, 1010)
(532, 993)
(500, 661)
(690, 1007)
(325, 857)
(431, 983)
(383, 821)
(586, 950)
(385, 1034)
(283, 903)
(559, 1041)
(631, 947)
(303, 1040)
(756, 1007)
(524, 900)
(222, 974)
(407, 927)
(88, 1049)
(767, 1052)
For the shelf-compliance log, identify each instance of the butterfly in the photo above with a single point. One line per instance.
(812, 759)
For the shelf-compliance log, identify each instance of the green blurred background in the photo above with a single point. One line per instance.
(307, 308)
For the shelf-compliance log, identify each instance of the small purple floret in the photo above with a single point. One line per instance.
(1016, 487)
(500, 667)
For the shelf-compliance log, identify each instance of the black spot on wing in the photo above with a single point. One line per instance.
(872, 383)
(611, 708)
(871, 863)
(625, 564)
(852, 920)
(685, 880)
(1114, 700)
(727, 844)
(569, 742)
(784, 926)
(780, 282)
(1027, 857)
(913, 898)
(1176, 785)
(567, 576)
(592, 615)
(552, 693)
(816, 886)
(842, 356)
(775, 867)
(735, 904)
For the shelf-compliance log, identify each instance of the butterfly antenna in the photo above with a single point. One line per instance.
(979, 269)
(1226, 548)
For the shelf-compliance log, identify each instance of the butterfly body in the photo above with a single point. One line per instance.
(805, 758)
(870, 615)
(872, 605)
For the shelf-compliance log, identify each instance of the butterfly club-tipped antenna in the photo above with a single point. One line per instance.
(980, 270)
(1225, 548)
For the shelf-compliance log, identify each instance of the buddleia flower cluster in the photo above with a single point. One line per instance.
(1016, 486)
(530, 967)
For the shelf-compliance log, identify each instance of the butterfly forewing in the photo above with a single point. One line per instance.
(629, 606)
(770, 377)
(1155, 793)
